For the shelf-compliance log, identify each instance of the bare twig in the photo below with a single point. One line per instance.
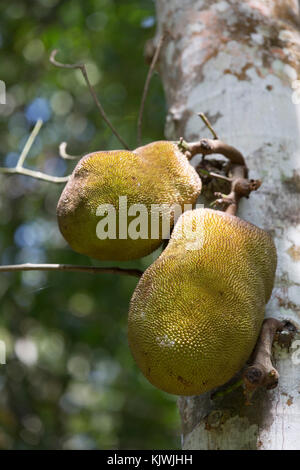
(214, 175)
(63, 152)
(20, 170)
(83, 70)
(34, 174)
(29, 143)
(69, 267)
(208, 125)
(146, 88)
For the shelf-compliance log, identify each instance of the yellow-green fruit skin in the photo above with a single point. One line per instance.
(157, 173)
(196, 313)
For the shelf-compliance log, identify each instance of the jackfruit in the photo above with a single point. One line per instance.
(197, 311)
(158, 173)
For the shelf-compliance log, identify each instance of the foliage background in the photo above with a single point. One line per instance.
(70, 381)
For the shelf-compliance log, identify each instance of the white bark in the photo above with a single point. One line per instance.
(236, 62)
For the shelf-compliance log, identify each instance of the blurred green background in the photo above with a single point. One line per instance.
(70, 381)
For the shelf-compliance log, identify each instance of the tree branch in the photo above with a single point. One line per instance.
(70, 267)
(146, 88)
(20, 170)
(83, 70)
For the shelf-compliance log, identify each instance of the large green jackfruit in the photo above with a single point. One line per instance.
(197, 311)
(158, 173)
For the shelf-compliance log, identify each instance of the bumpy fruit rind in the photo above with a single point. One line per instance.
(196, 313)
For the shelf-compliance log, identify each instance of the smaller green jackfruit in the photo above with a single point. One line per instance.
(197, 311)
(158, 173)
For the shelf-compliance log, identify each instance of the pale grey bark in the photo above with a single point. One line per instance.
(237, 61)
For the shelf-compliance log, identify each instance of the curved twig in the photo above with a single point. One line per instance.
(20, 170)
(70, 267)
(63, 152)
(83, 70)
(34, 174)
(146, 88)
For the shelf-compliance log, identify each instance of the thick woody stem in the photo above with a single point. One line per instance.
(262, 372)
(210, 146)
(241, 186)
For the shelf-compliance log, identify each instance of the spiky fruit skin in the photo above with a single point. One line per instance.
(157, 173)
(197, 311)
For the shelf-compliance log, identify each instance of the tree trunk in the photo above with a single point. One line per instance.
(237, 61)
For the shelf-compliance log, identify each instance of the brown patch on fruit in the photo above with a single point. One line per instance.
(183, 381)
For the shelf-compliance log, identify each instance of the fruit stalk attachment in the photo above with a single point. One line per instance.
(262, 373)
(237, 171)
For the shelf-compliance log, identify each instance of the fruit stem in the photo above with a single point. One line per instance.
(210, 146)
(240, 185)
(261, 373)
